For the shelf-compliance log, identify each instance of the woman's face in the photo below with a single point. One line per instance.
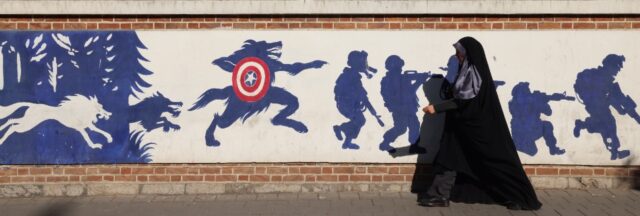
(460, 56)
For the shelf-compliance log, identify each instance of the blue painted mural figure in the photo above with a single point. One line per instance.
(50, 79)
(149, 112)
(597, 90)
(252, 91)
(351, 98)
(526, 125)
(398, 90)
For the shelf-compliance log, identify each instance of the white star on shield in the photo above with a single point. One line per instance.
(250, 79)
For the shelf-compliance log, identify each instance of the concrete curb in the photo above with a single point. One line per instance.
(198, 188)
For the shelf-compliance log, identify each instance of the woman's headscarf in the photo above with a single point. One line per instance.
(468, 82)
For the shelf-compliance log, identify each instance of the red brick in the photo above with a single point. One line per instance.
(125, 178)
(546, 171)
(446, 26)
(463, 25)
(176, 170)
(395, 25)
(75, 171)
(344, 26)
(141, 170)
(176, 178)
(360, 178)
(277, 25)
(480, 26)
(259, 178)
(243, 177)
(309, 170)
(226, 178)
(244, 25)
(394, 170)
(40, 26)
(125, 170)
(412, 25)
(393, 178)
(532, 25)
(5, 179)
(40, 179)
(108, 178)
(276, 178)
(175, 25)
(75, 26)
(277, 170)
(310, 178)
(107, 170)
(327, 170)
(210, 170)
(343, 178)
(6, 171)
(294, 25)
(360, 170)
(311, 25)
(92, 26)
(635, 25)
(91, 178)
(463, 19)
(549, 25)
(407, 170)
(192, 178)
(515, 25)
(581, 171)
(602, 25)
(160, 170)
(497, 26)
(530, 170)
(74, 178)
(584, 25)
(362, 19)
(40, 171)
(327, 178)
(109, 26)
(429, 19)
(617, 172)
(293, 178)
(142, 178)
(22, 179)
(346, 170)
(619, 25)
(243, 170)
(565, 171)
(142, 25)
(376, 178)
(598, 171)
(377, 25)
(4, 25)
(159, 178)
(23, 26)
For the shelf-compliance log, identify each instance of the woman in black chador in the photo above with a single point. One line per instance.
(477, 161)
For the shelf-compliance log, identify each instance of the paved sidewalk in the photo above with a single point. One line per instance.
(556, 202)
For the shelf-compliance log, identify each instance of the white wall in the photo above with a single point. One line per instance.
(548, 60)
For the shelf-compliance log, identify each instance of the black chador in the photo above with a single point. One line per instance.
(477, 161)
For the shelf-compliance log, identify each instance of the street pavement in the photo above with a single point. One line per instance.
(555, 202)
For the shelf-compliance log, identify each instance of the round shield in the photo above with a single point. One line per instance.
(251, 79)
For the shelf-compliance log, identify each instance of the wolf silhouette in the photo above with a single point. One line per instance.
(149, 112)
(77, 112)
(238, 109)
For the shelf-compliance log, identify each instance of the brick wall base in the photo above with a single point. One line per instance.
(77, 180)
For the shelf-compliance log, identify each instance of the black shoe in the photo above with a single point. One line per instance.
(434, 202)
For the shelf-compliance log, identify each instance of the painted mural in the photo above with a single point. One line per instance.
(69, 97)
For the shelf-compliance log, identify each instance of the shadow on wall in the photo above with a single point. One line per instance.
(430, 134)
(56, 209)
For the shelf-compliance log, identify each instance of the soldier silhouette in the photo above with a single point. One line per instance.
(351, 98)
(398, 90)
(598, 90)
(526, 107)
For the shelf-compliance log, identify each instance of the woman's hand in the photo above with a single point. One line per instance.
(429, 110)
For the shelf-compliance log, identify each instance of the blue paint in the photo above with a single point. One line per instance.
(398, 90)
(598, 90)
(149, 113)
(54, 71)
(526, 107)
(351, 98)
(237, 109)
